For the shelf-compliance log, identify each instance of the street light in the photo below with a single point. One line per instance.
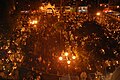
(68, 62)
(67, 59)
(98, 13)
(73, 57)
(99, 17)
(60, 58)
(41, 8)
(66, 53)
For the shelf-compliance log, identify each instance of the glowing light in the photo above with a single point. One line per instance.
(9, 52)
(68, 61)
(41, 8)
(101, 4)
(117, 62)
(98, 13)
(73, 57)
(66, 53)
(118, 6)
(60, 58)
(34, 22)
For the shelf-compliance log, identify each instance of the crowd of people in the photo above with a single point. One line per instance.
(40, 38)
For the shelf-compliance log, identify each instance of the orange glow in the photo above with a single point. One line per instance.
(118, 6)
(73, 57)
(66, 53)
(98, 13)
(68, 61)
(41, 8)
(60, 58)
(34, 22)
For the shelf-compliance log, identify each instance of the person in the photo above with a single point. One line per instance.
(116, 74)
